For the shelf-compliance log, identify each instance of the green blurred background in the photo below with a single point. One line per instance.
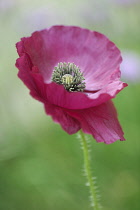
(41, 166)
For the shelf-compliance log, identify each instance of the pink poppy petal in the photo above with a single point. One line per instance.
(57, 95)
(96, 56)
(20, 47)
(31, 79)
(68, 123)
(107, 92)
(24, 65)
(101, 122)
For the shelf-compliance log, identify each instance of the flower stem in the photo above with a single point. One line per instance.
(91, 181)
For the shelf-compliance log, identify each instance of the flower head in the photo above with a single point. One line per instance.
(75, 73)
(130, 66)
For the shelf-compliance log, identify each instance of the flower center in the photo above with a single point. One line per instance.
(70, 76)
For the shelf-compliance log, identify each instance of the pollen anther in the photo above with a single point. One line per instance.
(67, 79)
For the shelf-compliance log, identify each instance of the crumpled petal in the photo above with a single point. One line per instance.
(29, 75)
(57, 95)
(100, 121)
(68, 123)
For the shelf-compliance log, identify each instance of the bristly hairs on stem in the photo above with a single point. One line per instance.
(91, 181)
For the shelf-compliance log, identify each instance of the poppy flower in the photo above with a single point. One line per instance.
(75, 73)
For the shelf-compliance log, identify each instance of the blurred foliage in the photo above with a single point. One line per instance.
(40, 165)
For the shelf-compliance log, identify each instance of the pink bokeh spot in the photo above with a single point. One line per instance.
(98, 59)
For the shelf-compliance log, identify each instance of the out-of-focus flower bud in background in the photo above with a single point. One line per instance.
(130, 67)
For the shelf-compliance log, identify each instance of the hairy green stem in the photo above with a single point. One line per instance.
(91, 182)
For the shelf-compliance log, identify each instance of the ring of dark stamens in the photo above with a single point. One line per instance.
(70, 76)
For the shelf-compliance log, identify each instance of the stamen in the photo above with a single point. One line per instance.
(70, 76)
